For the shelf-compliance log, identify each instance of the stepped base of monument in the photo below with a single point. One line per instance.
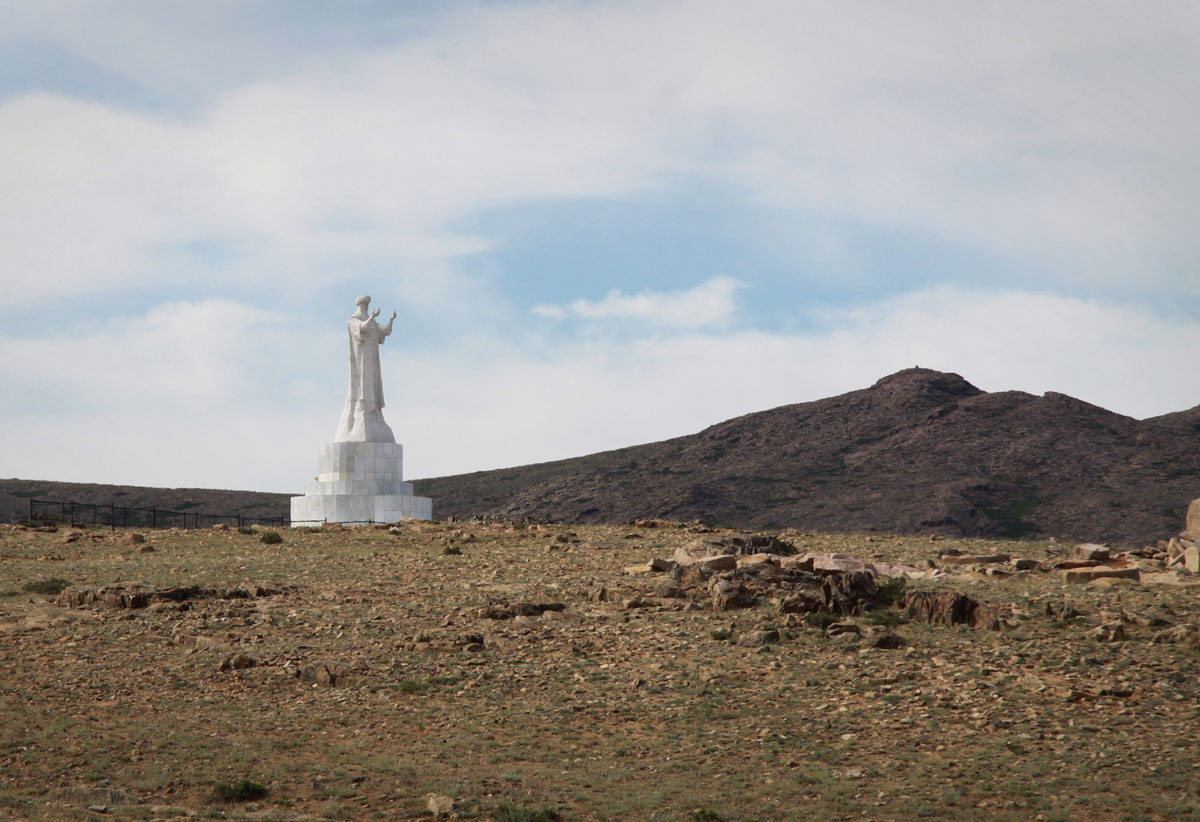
(359, 508)
(359, 482)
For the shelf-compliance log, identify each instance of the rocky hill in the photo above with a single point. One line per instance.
(920, 451)
(15, 495)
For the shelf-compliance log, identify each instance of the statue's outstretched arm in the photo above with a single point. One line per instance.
(387, 329)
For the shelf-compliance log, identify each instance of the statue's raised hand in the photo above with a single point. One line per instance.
(375, 313)
(393, 316)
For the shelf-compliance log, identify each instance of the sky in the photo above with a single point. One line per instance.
(600, 223)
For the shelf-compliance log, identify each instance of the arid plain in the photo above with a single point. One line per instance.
(498, 670)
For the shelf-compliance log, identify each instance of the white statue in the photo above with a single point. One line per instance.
(362, 419)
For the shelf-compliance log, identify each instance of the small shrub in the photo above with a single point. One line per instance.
(514, 813)
(881, 617)
(890, 592)
(54, 585)
(242, 791)
(272, 538)
(722, 633)
(248, 530)
(705, 815)
(820, 621)
(452, 551)
(413, 686)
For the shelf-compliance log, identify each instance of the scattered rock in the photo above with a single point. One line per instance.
(759, 638)
(1180, 635)
(728, 594)
(885, 640)
(146, 549)
(1025, 564)
(516, 609)
(758, 559)
(1108, 632)
(939, 608)
(974, 559)
(132, 595)
(718, 562)
(1191, 559)
(1072, 564)
(1192, 529)
(597, 593)
(844, 627)
(836, 564)
(237, 662)
(1061, 610)
(801, 603)
(1085, 575)
(439, 805)
(849, 593)
(322, 674)
(1090, 550)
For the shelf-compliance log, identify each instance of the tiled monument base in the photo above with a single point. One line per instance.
(359, 482)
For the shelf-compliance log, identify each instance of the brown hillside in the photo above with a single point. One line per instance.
(919, 451)
(16, 493)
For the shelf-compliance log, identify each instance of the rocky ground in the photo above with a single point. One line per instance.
(512, 672)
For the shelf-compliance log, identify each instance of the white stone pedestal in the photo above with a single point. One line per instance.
(359, 482)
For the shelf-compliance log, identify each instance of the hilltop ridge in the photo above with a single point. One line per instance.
(920, 451)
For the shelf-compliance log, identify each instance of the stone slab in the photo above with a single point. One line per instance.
(1192, 529)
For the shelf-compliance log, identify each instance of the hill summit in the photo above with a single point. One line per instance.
(920, 451)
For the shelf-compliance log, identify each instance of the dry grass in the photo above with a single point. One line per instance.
(597, 712)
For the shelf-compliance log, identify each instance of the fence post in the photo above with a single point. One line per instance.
(112, 520)
(31, 509)
(153, 516)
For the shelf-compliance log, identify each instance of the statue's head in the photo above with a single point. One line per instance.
(363, 301)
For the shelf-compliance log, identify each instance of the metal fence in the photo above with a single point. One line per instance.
(121, 516)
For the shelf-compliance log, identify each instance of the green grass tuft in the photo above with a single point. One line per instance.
(821, 621)
(54, 585)
(272, 538)
(513, 813)
(243, 790)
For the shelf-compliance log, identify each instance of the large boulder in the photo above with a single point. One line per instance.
(1192, 529)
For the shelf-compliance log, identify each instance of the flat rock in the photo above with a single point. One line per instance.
(719, 562)
(832, 563)
(758, 559)
(1086, 575)
(974, 559)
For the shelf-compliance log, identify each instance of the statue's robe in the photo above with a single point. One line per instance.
(362, 418)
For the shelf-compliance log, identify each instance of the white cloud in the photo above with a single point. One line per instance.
(1063, 147)
(709, 303)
